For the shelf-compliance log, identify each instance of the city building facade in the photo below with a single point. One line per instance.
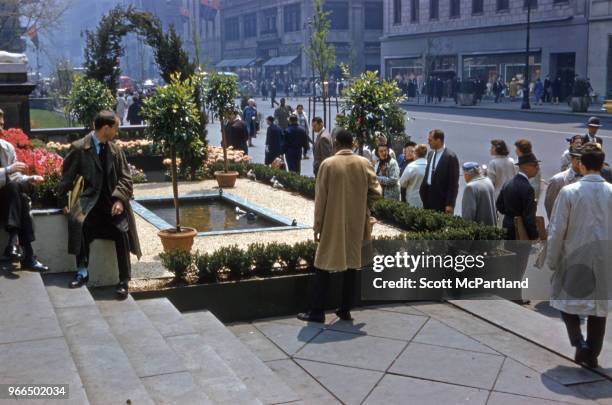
(600, 46)
(486, 40)
(266, 38)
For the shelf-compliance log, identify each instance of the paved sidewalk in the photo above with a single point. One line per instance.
(425, 353)
(507, 105)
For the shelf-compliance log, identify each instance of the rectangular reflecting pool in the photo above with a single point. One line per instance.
(212, 214)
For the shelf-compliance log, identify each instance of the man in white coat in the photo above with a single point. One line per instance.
(413, 175)
(580, 255)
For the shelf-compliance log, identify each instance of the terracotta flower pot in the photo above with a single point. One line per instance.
(172, 240)
(226, 180)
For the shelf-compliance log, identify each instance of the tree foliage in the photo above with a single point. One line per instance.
(371, 104)
(321, 54)
(86, 99)
(103, 46)
(221, 94)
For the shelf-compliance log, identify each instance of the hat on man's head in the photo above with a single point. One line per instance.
(471, 167)
(575, 152)
(527, 158)
(573, 138)
(594, 122)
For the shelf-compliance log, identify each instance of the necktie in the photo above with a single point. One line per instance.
(102, 153)
(431, 168)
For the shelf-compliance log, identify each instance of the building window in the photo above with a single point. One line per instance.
(339, 14)
(434, 9)
(477, 6)
(414, 11)
(268, 25)
(455, 8)
(503, 5)
(292, 17)
(397, 12)
(374, 15)
(250, 25)
(534, 4)
(232, 29)
(561, 1)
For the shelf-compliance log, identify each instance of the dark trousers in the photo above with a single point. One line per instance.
(99, 225)
(15, 213)
(596, 329)
(294, 160)
(321, 287)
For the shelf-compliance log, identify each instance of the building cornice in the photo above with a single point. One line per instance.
(480, 30)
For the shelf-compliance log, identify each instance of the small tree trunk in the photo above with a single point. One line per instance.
(175, 188)
(224, 141)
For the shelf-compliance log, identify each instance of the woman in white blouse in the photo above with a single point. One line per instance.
(501, 168)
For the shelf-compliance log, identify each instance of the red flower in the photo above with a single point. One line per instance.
(17, 138)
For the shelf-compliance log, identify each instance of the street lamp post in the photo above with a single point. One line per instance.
(525, 104)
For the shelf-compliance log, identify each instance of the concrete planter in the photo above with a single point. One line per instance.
(466, 98)
(580, 104)
(51, 248)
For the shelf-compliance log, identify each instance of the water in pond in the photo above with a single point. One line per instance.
(208, 215)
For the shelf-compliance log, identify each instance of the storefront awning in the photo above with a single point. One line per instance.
(227, 63)
(280, 60)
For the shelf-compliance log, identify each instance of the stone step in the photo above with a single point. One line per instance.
(160, 369)
(104, 368)
(214, 376)
(263, 382)
(32, 346)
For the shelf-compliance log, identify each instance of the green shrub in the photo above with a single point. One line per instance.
(206, 273)
(87, 98)
(289, 257)
(232, 259)
(177, 262)
(306, 251)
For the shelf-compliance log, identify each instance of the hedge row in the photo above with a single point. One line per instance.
(418, 222)
(234, 263)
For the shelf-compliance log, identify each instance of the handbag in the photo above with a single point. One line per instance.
(75, 193)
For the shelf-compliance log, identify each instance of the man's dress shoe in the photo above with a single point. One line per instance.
(13, 252)
(311, 316)
(34, 264)
(78, 281)
(122, 290)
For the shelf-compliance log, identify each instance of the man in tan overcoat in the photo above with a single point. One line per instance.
(102, 211)
(346, 183)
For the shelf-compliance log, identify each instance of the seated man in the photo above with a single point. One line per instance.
(15, 207)
(103, 208)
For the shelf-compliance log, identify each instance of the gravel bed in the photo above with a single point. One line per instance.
(285, 203)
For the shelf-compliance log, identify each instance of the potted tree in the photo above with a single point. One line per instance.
(580, 96)
(174, 123)
(466, 93)
(222, 91)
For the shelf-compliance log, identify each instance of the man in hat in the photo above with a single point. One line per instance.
(478, 204)
(296, 139)
(517, 199)
(562, 179)
(593, 126)
(575, 142)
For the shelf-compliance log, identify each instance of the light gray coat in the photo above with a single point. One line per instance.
(411, 180)
(556, 183)
(478, 204)
(7, 158)
(500, 170)
(389, 179)
(578, 247)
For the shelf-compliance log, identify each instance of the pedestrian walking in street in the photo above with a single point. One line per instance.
(344, 188)
(547, 90)
(250, 119)
(501, 168)
(579, 253)
(575, 142)
(478, 204)
(274, 141)
(281, 114)
(264, 91)
(593, 125)
(562, 179)
(237, 133)
(387, 171)
(134, 115)
(295, 140)
(303, 122)
(323, 146)
(556, 86)
(517, 199)
(441, 184)
(273, 101)
(538, 90)
(121, 107)
(412, 177)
